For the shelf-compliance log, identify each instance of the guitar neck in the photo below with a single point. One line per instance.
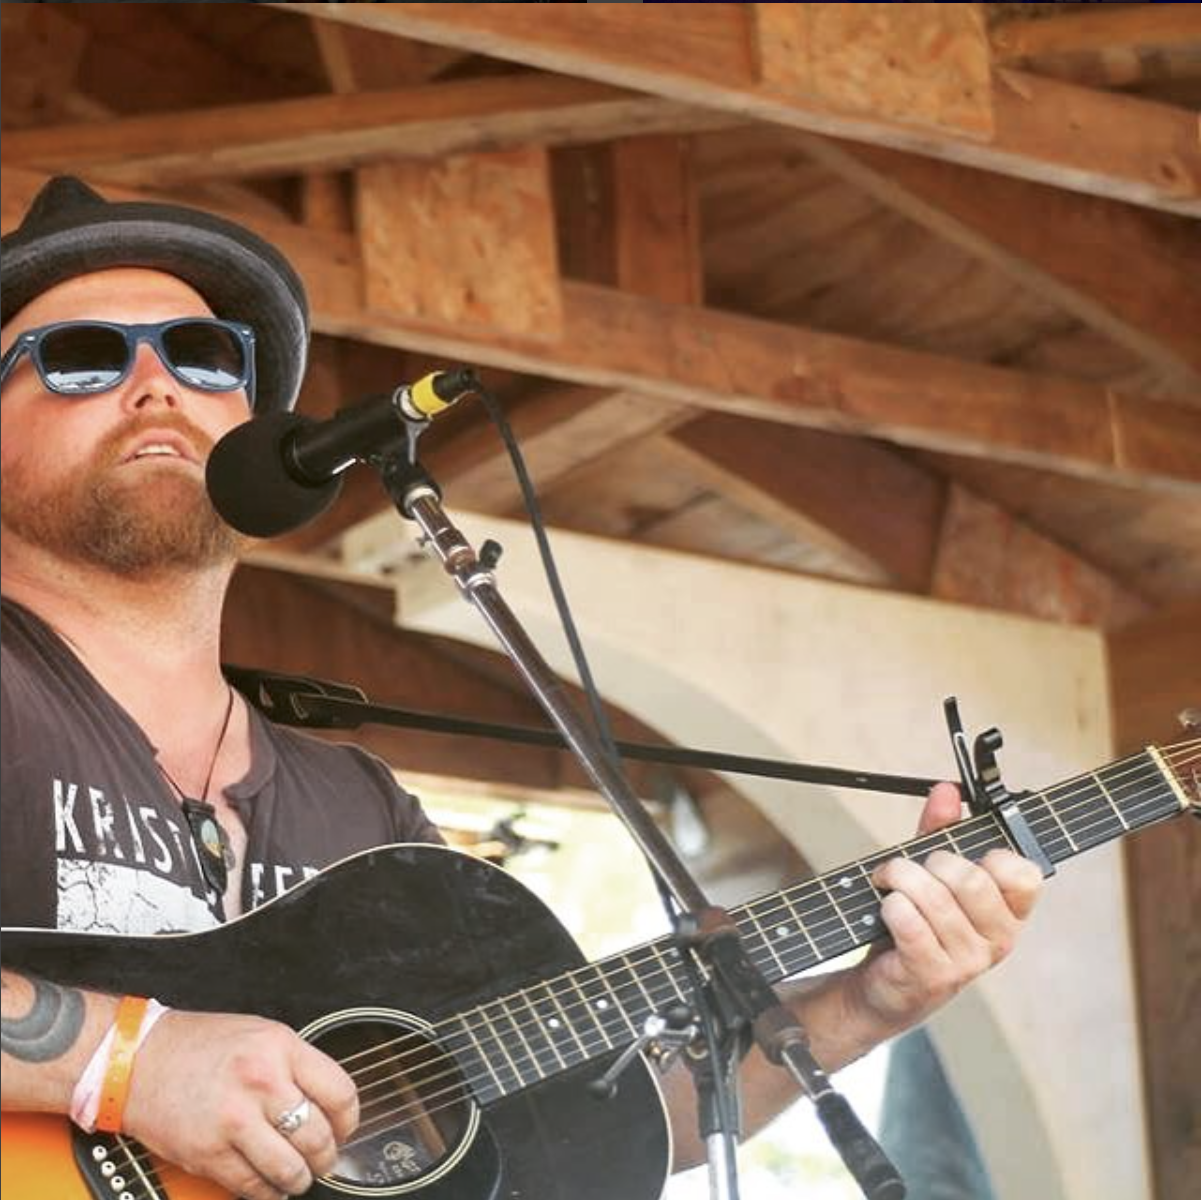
(518, 1040)
(811, 923)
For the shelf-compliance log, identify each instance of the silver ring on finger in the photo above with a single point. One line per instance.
(291, 1119)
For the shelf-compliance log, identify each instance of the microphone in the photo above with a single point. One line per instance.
(279, 470)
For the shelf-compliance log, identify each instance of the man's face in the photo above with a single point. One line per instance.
(77, 475)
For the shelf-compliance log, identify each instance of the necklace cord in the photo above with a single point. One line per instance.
(217, 855)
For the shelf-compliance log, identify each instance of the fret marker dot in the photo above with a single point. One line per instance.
(845, 882)
(868, 920)
(553, 1023)
(602, 1004)
(782, 931)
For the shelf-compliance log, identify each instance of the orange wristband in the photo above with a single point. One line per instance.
(115, 1090)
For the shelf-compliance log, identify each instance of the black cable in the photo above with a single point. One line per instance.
(605, 735)
(530, 499)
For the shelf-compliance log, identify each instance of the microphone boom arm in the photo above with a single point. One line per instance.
(308, 703)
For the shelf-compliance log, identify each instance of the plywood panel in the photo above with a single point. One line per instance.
(920, 64)
(469, 240)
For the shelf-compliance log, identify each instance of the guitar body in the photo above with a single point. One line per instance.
(405, 934)
(39, 1163)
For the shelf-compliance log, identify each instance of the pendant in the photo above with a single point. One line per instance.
(216, 852)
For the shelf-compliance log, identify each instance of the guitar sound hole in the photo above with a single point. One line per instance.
(416, 1116)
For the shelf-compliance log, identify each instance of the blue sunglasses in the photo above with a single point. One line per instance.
(82, 358)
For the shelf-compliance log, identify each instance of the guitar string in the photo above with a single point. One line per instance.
(453, 1094)
(946, 834)
(439, 1055)
(753, 917)
(144, 1171)
(457, 1091)
(424, 1047)
(965, 828)
(537, 1060)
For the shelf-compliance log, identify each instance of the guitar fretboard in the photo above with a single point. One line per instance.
(521, 1039)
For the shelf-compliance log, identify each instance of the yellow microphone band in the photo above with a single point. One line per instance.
(424, 398)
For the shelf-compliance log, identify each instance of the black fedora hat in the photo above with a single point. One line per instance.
(71, 230)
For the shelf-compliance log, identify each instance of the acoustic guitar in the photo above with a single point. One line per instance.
(469, 1019)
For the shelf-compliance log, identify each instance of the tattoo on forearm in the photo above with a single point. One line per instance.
(49, 1029)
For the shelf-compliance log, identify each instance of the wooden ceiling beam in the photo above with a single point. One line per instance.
(559, 430)
(336, 131)
(756, 368)
(709, 55)
(989, 557)
(801, 481)
(1097, 29)
(781, 373)
(688, 354)
(1077, 251)
(910, 528)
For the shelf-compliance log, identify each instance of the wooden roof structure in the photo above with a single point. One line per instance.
(920, 312)
(903, 295)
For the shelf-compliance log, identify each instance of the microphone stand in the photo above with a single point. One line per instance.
(745, 999)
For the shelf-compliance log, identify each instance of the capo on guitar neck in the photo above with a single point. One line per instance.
(984, 791)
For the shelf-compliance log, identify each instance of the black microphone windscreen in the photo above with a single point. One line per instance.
(251, 488)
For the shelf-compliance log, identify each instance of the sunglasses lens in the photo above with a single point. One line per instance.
(83, 358)
(209, 357)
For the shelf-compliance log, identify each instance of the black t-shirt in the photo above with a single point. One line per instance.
(92, 837)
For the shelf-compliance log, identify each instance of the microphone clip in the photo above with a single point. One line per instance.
(417, 404)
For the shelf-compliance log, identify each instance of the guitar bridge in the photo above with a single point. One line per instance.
(114, 1168)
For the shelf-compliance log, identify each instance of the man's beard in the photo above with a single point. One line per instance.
(153, 520)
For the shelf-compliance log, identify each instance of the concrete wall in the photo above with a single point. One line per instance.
(1042, 1051)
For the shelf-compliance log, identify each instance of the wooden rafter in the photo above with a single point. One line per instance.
(1042, 129)
(559, 430)
(988, 556)
(1078, 251)
(694, 355)
(330, 132)
(798, 479)
(894, 526)
(1097, 29)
